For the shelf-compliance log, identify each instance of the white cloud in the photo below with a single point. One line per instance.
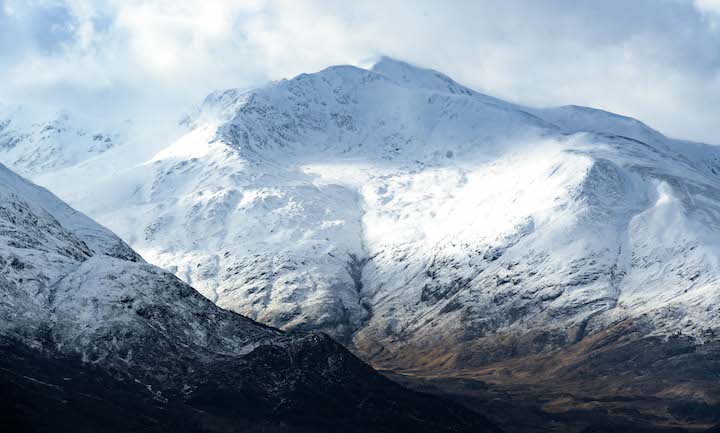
(657, 60)
(708, 5)
(711, 9)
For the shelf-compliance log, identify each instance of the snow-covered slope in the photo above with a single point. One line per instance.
(402, 211)
(70, 279)
(93, 338)
(31, 146)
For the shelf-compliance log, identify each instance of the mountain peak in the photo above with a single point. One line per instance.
(387, 64)
(414, 76)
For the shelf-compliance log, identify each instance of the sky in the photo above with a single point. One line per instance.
(656, 60)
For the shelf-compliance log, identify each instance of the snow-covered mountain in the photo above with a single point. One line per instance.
(31, 146)
(409, 216)
(93, 338)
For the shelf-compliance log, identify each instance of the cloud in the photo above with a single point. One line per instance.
(712, 6)
(711, 10)
(657, 60)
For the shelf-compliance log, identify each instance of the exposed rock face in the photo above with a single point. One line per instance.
(94, 339)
